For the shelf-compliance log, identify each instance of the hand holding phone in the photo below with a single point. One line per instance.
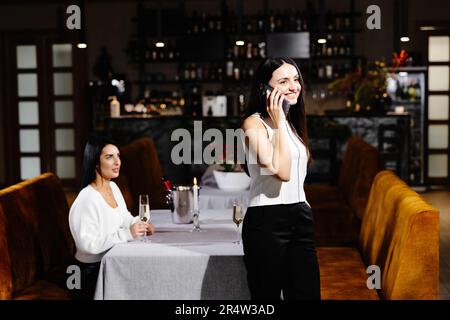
(264, 88)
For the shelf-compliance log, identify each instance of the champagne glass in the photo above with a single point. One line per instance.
(196, 216)
(238, 217)
(144, 212)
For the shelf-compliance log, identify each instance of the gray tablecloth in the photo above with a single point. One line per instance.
(177, 264)
(214, 198)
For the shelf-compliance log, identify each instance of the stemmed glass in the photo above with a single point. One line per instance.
(144, 213)
(196, 214)
(238, 217)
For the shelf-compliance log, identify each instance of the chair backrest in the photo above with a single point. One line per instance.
(400, 234)
(143, 171)
(34, 233)
(122, 183)
(360, 164)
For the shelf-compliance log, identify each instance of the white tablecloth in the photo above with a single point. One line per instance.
(214, 198)
(177, 264)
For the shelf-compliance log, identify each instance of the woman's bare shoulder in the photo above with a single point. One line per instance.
(252, 122)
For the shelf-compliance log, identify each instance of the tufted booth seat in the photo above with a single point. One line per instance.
(399, 234)
(35, 241)
(338, 210)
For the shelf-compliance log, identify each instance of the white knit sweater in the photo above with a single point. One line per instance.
(95, 226)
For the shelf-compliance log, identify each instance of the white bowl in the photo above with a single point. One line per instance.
(231, 181)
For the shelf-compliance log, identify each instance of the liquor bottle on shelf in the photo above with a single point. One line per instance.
(170, 51)
(249, 25)
(271, 22)
(261, 24)
(338, 23)
(203, 23)
(329, 46)
(262, 49)
(241, 104)
(196, 102)
(161, 54)
(255, 51)
(244, 72)
(329, 71)
(236, 73)
(192, 72)
(341, 46)
(320, 72)
(154, 54)
(305, 23)
(195, 23)
(229, 68)
(219, 73)
(249, 53)
(335, 48)
(199, 73)
(329, 21)
(298, 21)
(278, 22)
(219, 24)
(206, 71)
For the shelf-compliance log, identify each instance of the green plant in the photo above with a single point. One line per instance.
(365, 91)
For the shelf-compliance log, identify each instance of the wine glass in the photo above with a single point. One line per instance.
(196, 217)
(238, 217)
(144, 212)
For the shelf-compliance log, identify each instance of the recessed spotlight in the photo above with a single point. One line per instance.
(428, 28)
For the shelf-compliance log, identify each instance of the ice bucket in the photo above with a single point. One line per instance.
(181, 202)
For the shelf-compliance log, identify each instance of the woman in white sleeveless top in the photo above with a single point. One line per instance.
(278, 229)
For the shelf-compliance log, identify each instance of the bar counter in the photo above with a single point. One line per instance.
(328, 134)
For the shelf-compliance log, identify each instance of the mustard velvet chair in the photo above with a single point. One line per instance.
(400, 233)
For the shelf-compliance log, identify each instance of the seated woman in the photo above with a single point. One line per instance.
(99, 218)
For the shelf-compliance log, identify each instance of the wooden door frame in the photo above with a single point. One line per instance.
(9, 98)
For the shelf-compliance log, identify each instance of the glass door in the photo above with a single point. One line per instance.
(44, 107)
(438, 121)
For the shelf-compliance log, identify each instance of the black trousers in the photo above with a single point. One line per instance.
(280, 252)
(89, 275)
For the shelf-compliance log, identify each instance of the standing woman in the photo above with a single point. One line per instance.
(278, 229)
(99, 218)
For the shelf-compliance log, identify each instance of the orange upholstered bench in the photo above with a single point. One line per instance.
(338, 210)
(400, 235)
(35, 241)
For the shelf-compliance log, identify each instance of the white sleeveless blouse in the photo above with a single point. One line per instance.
(265, 188)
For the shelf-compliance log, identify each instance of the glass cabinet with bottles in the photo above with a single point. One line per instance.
(406, 87)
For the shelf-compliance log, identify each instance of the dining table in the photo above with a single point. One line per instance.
(176, 263)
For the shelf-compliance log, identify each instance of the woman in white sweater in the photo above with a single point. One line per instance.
(99, 218)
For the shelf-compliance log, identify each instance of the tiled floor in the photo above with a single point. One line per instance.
(441, 200)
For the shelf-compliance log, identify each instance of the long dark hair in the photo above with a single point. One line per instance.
(91, 158)
(297, 114)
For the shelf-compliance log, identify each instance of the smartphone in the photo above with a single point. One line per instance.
(263, 90)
